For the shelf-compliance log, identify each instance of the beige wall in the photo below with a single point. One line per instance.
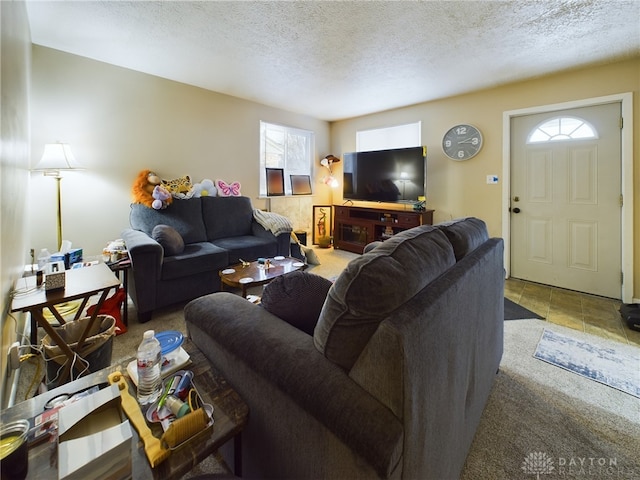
(119, 122)
(15, 41)
(457, 189)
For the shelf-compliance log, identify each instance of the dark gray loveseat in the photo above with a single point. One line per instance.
(393, 382)
(216, 232)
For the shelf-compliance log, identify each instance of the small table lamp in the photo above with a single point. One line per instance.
(57, 157)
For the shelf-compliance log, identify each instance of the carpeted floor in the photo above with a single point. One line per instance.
(534, 408)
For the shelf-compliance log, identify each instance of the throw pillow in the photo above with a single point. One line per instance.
(297, 298)
(375, 284)
(465, 234)
(169, 238)
(310, 255)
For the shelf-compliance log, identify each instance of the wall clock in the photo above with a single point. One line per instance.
(462, 142)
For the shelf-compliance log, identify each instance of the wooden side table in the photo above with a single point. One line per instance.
(80, 284)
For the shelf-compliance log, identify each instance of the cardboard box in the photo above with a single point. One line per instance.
(94, 438)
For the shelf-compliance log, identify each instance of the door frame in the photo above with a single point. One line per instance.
(627, 228)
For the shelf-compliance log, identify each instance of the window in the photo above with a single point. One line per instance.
(399, 136)
(562, 128)
(290, 149)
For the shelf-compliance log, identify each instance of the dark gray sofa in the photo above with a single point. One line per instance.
(216, 232)
(395, 378)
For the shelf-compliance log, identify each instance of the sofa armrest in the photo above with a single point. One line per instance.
(143, 250)
(146, 262)
(286, 357)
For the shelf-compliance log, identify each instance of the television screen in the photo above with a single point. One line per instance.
(397, 175)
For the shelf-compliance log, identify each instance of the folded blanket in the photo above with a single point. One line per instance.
(273, 222)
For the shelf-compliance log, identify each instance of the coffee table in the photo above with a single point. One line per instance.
(251, 274)
(230, 415)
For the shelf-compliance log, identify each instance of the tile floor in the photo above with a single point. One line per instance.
(587, 313)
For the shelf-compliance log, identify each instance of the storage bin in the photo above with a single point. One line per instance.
(96, 350)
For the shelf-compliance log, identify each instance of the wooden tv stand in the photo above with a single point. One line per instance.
(355, 227)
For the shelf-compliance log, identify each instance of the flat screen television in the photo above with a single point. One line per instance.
(397, 175)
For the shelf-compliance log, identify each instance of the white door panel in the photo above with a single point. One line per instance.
(568, 229)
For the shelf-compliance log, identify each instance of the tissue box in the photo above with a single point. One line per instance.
(94, 438)
(57, 257)
(72, 256)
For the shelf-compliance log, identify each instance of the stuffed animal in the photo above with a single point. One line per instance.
(143, 187)
(228, 189)
(205, 188)
(160, 197)
(180, 188)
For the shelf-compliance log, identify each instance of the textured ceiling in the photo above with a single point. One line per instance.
(334, 60)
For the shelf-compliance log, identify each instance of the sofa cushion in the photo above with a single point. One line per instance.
(226, 216)
(297, 298)
(195, 258)
(374, 285)
(183, 215)
(247, 247)
(169, 238)
(465, 234)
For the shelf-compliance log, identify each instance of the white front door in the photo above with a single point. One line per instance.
(566, 200)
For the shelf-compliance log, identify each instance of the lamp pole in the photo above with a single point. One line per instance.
(58, 178)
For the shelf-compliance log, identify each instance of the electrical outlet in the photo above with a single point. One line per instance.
(14, 356)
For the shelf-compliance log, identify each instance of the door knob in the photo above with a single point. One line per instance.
(516, 210)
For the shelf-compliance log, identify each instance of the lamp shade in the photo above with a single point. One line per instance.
(57, 156)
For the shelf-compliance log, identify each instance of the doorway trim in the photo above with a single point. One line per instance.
(626, 234)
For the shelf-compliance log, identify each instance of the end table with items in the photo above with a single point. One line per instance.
(80, 284)
(230, 415)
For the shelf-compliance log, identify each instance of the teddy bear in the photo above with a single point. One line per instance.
(143, 188)
(161, 197)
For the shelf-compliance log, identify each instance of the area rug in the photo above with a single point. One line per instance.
(513, 311)
(604, 365)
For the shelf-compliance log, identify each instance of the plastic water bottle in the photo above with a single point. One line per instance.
(43, 259)
(149, 362)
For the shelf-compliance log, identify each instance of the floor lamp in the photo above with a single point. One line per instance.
(57, 157)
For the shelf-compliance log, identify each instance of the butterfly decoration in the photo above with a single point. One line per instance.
(228, 189)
